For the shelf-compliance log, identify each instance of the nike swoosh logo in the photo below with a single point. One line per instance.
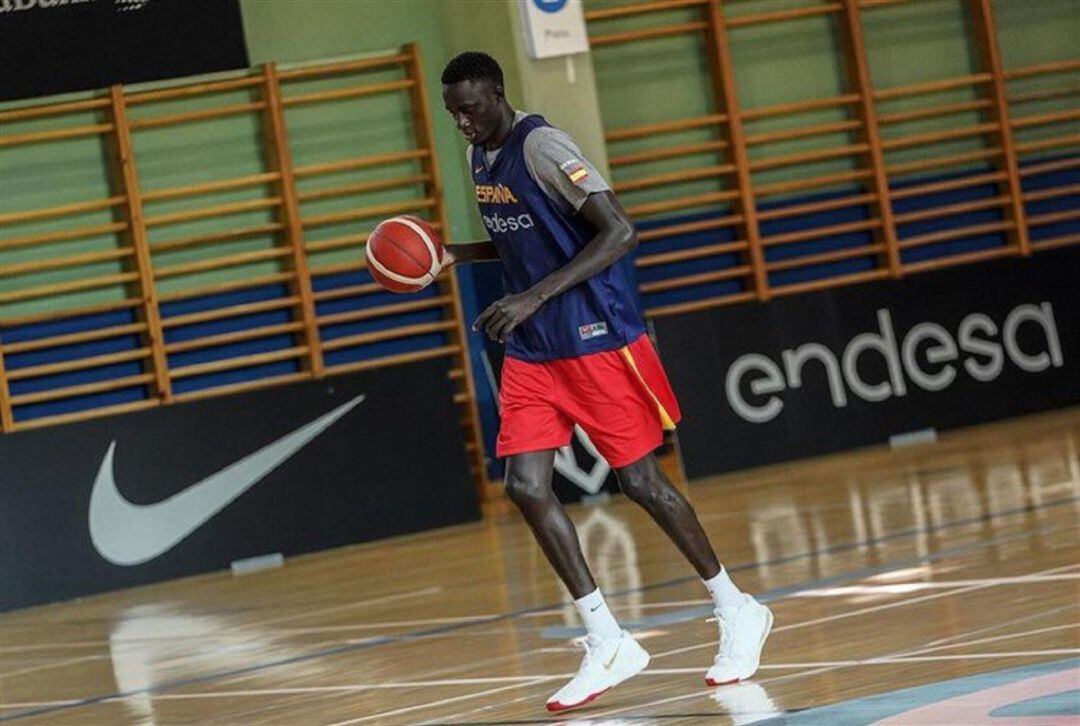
(131, 534)
(607, 666)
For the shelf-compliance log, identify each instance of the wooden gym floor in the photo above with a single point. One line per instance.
(948, 571)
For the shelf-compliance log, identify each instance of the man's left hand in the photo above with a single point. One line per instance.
(502, 316)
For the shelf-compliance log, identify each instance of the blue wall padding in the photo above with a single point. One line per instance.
(415, 343)
(695, 292)
(368, 351)
(230, 350)
(678, 269)
(939, 224)
(239, 323)
(81, 403)
(74, 324)
(1070, 202)
(237, 375)
(481, 285)
(221, 300)
(195, 331)
(75, 378)
(75, 351)
(833, 243)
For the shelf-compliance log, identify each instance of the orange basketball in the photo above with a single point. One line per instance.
(404, 254)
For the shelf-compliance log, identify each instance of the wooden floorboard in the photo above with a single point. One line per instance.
(885, 570)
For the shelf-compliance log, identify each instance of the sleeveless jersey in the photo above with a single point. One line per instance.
(533, 239)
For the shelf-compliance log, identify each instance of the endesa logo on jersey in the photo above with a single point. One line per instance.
(510, 223)
(499, 223)
(495, 194)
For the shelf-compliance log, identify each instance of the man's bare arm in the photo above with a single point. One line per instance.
(615, 237)
(470, 252)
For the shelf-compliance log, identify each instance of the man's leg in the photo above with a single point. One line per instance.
(644, 483)
(528, 485)
(613, 656)
(743, 621)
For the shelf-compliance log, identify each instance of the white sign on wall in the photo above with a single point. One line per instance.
(554, 27)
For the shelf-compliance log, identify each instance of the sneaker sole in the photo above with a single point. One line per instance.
(761, 646)
(711, 682)
(558, 707)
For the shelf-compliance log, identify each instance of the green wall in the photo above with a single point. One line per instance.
(612, 87)
(301, 30)
(668, 78)
(289, 32)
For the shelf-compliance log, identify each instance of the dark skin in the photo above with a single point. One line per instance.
(484, 117)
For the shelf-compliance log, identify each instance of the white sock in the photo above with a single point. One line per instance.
(723, 590)
(597, 618)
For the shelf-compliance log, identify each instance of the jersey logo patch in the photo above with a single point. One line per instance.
(575, 170)
(592, 330)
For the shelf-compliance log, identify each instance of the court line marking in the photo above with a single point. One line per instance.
(409, 709)
(678, 617)
(996, 638)
(831, 665)
(860, 611)
(814, 669)
(358, 603)
(373, 642)
(906, 656)
(347, 606)
(525, 681)
(542, 677)
(905, 587)
(47, 666)
(911, 656)
(938, 642)
(817, 671)
(228, 637)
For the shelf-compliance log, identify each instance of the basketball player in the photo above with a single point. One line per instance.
(577, 352)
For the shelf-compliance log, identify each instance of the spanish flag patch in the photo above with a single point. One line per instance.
(574, 169)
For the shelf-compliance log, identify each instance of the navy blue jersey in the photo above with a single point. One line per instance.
(534, 238)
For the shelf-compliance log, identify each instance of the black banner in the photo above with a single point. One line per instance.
(828, 371)
(56, 46)
(190, 488)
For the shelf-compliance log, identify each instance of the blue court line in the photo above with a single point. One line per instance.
(882, 705)
(1066, 703)
(484, 620)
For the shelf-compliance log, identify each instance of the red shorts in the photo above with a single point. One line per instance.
(621, 398)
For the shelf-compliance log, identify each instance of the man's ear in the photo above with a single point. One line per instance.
(499, 92)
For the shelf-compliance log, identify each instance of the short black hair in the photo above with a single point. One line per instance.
(472, 66)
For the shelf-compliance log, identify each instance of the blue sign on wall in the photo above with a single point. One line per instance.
(550, 6)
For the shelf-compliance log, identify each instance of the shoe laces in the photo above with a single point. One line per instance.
(590, 643)
(726, 642)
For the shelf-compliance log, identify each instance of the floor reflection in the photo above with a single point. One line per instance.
(945, 496)
(155, 644)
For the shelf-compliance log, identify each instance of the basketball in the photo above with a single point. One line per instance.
(404, 254)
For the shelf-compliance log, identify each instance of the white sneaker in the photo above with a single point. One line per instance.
(743, 631)
(607, 663)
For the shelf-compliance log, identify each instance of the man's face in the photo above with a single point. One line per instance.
(476, 107)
